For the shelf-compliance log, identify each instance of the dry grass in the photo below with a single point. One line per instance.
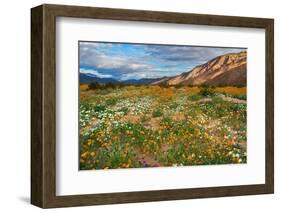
(169, 91)
(192, 90)
(232, 90)
(83, 87)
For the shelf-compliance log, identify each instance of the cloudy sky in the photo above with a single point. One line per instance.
(123, 61)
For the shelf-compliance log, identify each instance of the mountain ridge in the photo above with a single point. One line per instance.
(86, 78)
(227, 69)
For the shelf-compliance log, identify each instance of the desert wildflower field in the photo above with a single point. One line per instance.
(136, 126)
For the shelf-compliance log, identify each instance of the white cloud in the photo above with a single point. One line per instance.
(94, 55)
(95, 72)
(187, 54)
(134, 76)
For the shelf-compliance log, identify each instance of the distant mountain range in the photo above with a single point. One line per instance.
(143, 80)
(86, 78)
(228, 69)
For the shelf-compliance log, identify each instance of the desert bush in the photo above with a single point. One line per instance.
(173, 105)
(164, 85)
(157, 113)
(93, 86)
(177, 86)
(104, 86)
(111, 101)
(217, 99)
(99, 108)
(194, 97)
(125, 110)
(238, 107)
(206, 91)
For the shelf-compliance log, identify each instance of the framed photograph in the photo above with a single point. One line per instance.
(136, 106)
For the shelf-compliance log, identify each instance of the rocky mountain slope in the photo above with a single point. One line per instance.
(229, 69)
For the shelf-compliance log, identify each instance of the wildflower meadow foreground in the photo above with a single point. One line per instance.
(135, 126)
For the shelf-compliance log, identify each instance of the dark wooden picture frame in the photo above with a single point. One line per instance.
(43, 105)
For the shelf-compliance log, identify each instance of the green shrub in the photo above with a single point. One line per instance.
(173, 105)
(206, 91)
(164, 85)
(125, 110)
(238, 107)
(99, 108)
(93, 86)
(104, 86)
(177, 86)
(111, 101)
(217, 99)
(157, 113)
(194, 97)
